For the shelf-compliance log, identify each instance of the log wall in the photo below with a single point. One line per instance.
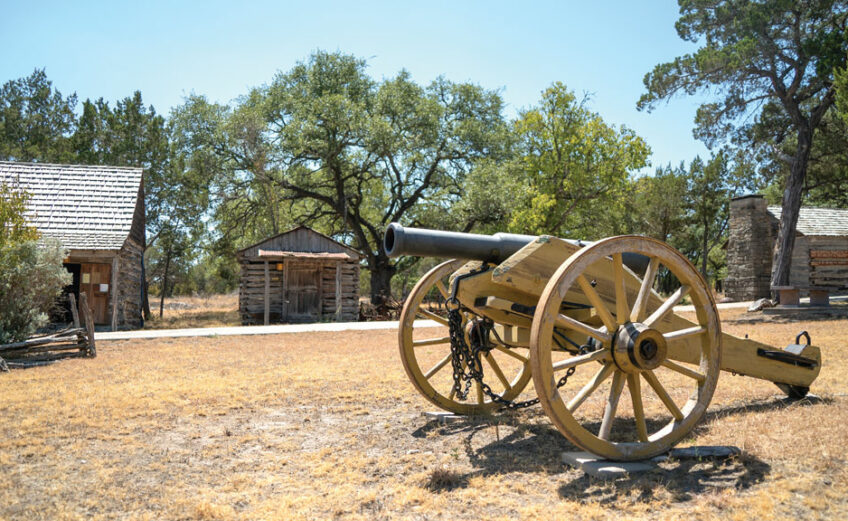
(129, 285)
(295, 303)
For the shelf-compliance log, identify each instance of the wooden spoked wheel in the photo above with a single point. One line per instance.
(426, 352)
(633, 337)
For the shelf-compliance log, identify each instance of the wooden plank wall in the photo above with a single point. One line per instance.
(252, 289)
(828, 261)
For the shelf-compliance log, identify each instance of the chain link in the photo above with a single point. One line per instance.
(464, 356)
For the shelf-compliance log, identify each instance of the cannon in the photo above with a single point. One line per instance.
(584, 321)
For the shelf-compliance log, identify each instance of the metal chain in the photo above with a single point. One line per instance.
(463, 355)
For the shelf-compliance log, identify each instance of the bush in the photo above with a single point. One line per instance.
(31, 278)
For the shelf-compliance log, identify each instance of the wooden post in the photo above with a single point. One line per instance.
(74, 312)
(85, 311)
(320, 291)
(338, 291)
(267, 294)
(285, 316)
(113, 292)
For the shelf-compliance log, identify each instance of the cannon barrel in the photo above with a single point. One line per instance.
(422, 242)
(495, 248)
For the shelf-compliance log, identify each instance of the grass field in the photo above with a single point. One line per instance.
(190, 312)
(326, 426)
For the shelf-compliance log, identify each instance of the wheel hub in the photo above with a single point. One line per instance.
(637, 348)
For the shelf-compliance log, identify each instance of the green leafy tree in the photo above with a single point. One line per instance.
(574, 166)
(36, 121)
(659, 207)
(773, 62)
(348, 155)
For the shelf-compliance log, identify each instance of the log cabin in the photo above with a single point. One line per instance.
(298, 276)
(819, 258)
(98, 214)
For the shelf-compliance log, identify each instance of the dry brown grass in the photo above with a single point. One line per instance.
(326, 426)
(211, 311)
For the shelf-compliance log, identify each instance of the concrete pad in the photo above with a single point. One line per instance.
(442, 416)
(601, 468)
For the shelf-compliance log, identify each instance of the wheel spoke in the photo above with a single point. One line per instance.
(600, 354)
(638, 411)
(667, 306)
(641, 304)
(685, 371)
(590, 387)
(512, 353)
(497, 369)
(436, 368)
(684, 333)
(663, 395)
(597, 303)
(442, 289)
(431, 316)
(622, 313)
(612, 404)
(431, 341)
(575, 325)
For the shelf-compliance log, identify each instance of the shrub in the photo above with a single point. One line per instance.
(31, 278)
(31, 272)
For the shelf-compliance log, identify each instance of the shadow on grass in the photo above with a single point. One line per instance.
(527, 443)
(677, 480)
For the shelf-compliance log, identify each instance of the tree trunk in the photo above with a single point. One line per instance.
(382, 272)
(705, 250)
(164, 288)
(791, 208)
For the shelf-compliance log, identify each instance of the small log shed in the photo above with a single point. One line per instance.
(298, 276)
(97, 213)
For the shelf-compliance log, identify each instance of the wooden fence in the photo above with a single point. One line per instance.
(72, 342)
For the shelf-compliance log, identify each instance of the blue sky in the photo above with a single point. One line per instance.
(221, 49)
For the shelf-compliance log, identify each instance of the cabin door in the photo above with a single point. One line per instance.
(303, 294)
(95, 282)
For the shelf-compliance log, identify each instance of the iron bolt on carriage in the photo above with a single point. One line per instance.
(572, 315)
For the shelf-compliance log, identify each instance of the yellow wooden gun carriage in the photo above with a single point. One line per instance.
(584, 321)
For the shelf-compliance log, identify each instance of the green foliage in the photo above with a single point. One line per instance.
(775, 54)
(574, 167)
(31, 278)
(36, 122)
(326, 145)
(659, 203)
(770, 64)
(31, 275)
(13, 225)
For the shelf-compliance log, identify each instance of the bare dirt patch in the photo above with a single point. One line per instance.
(326, 425)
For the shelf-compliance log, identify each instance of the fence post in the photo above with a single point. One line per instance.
(85, 311)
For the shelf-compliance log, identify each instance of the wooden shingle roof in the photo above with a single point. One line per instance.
(818, 221)
(85, 207)
(299, 240)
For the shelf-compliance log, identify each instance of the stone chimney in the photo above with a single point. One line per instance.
(749, 249)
